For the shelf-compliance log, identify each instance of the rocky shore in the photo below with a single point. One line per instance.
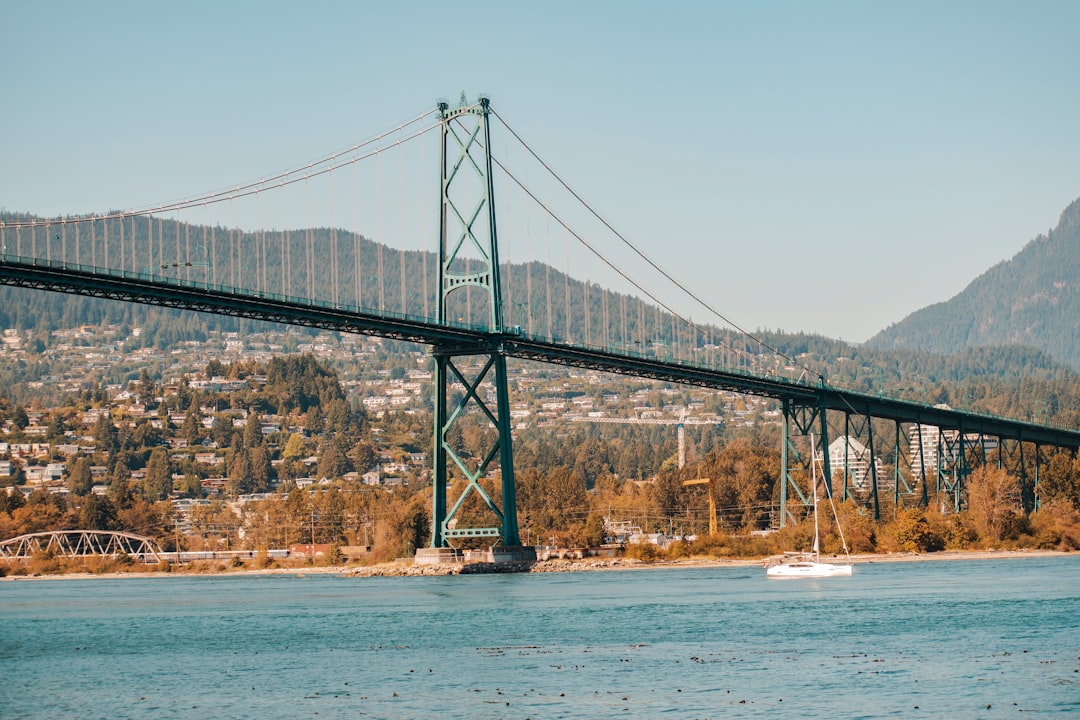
(543, 566)
(409, 569)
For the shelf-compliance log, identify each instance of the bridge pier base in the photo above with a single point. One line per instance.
(497, 554)
(437, 556)
(513, 554)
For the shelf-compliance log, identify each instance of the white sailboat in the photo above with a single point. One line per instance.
(802, 566)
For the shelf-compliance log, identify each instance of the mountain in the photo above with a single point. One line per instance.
(540, 299)
(1032, 299)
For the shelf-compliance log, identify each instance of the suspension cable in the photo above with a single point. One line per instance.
(643, 256)
(315, 168)
(601, 256)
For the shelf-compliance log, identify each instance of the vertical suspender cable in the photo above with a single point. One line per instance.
(401, 229)
(378, 224)
(547, 293)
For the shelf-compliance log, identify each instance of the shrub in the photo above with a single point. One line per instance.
(642, 551)
(710, 545)
(911, 532)
(748, 546)
(678, 550)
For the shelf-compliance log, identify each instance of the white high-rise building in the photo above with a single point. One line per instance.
(858, 462)
(935, 440)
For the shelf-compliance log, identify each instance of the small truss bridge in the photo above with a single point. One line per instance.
(81, 543)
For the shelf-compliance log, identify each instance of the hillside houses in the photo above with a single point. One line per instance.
(381, 379)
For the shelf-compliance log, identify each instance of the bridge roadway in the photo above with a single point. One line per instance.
(459, 339)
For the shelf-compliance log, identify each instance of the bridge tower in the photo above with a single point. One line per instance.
(469, 293)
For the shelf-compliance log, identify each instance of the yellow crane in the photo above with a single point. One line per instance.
(712, 500)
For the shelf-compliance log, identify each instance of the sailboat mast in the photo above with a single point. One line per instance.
(813, 481)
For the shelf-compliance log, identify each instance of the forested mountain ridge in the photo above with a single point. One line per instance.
(541, 299)
(1031, 299)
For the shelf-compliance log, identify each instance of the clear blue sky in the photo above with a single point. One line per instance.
(827, 167)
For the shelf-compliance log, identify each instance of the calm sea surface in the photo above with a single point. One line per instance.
(981, 639)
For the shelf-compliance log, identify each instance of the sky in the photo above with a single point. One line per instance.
(822, 167)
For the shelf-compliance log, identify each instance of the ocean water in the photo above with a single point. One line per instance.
(958, 639)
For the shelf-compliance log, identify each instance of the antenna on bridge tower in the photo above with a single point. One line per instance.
(469, 262)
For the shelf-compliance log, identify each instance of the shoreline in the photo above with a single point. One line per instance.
(402, 569)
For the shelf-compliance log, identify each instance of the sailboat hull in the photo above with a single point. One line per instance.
(808, 569)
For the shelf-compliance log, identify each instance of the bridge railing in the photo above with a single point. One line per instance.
(622, 349)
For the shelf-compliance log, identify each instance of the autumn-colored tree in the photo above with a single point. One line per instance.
(42, 512)
(215, 524)
(329, 507)
(744, 477)
(911, 532)
(993, 502)
(294, 447)
(1060, 481)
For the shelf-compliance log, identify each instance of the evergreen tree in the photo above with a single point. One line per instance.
(261, 469)
(190, 428)
(158, 482)
(79, 479)
(120, 486)
(253, 436)
(238, 461)
(333, 463)
(11, 501)
(105, 433)
(97, 513)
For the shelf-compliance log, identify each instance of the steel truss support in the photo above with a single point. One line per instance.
(902, 481)
(861, 480)
(951, 467)
(920, 439)
(1013, 457)
(804, 420)
(1040, 459)
(469, 260)
(860, 425)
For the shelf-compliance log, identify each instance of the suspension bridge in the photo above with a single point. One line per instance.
(475, 310)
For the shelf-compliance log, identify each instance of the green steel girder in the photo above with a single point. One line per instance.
(1011, 458)
(202, 297)
(451, 280)
(465, 340)
(901, 479)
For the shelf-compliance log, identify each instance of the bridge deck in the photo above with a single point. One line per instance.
(464, 339)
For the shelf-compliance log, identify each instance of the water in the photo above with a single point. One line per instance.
(947, 638)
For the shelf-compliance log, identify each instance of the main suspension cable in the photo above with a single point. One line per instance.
(643, 256)
(315, 168)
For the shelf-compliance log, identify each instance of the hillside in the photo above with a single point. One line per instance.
(539, 298)
(1031, 300)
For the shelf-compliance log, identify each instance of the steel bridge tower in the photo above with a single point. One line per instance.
(469, 293)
